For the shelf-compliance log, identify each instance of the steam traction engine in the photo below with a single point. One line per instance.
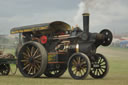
(51, 48)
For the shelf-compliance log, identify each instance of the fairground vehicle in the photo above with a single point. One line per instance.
(51, 48)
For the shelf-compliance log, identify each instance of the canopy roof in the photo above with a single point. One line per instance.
(52, 27)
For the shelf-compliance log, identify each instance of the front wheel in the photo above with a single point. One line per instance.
(99, 67)
(79, 66)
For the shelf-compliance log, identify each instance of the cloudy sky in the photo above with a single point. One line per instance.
(110, 14)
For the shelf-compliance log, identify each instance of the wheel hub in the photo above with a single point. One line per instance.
(78, 67)
(31, 60)
(96, 65)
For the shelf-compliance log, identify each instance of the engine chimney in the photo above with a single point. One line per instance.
(86, 23)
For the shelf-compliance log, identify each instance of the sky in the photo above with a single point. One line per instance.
(110, 14)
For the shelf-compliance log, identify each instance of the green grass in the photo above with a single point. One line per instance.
(118, 73)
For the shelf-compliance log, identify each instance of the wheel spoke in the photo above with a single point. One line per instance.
(30, 70)
(28, 50)
(80, 72)
(78, 60)
(84, 66)
(96, 72)
(28, 53)
(32, 51)
(36, 67)
(74, 70)
(38, 56)
(83, 70)
(101, 71)
(99, 59)
(74, 61)
(34, 70)
(25, 55)
(103, 65)
(24, 60)
(102, 61)
(26, 66)
(36, 61)
(35, 52)
(82, 60)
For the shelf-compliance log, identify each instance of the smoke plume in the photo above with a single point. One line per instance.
(87, 6)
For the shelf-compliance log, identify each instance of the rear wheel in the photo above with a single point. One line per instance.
(99, 67)
(32, 59)
(79, 66)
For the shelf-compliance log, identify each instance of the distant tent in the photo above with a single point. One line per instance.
(124, 43)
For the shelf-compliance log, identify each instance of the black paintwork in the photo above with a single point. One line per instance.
(81, 41)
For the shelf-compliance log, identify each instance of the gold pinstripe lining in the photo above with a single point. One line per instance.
(29, 30)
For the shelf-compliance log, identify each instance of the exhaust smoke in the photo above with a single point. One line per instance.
(84, 7)
(90, 6)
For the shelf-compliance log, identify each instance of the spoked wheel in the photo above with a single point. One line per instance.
(32, 59)
(79, 66)
(99, 67)
(57, 71)
(108, 37)
(4, 69)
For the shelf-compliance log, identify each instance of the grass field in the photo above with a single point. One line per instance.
(118, 73)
